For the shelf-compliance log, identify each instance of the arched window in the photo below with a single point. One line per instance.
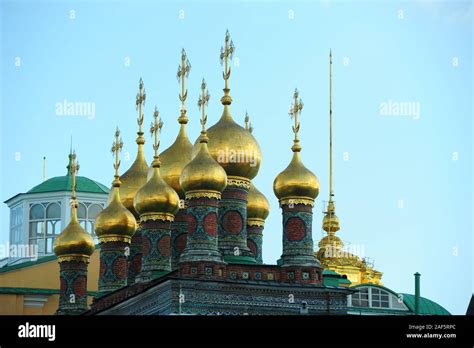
(37, 212)
(92, 212)
(44, 225)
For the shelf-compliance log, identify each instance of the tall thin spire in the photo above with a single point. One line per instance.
(155, 128)
(140, 102)
(202, 103)
(295, 109)
(227, 54)
(44, 168)
(117, 146)
(331, 193)
(183, 72)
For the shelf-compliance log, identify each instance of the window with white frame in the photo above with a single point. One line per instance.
(373, 297)
(16, 224)
(44, 225)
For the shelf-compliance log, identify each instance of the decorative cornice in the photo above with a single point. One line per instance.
(203, 194)
(73, 257)
(256, 222)
(156, 216)
(115, 238)
(238, 181)
(296, 200)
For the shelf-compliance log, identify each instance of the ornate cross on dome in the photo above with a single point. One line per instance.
(226, 54)
(182, 75)
(202, 103)
(117, 146)
(295, 109)
(155, 128)
(140, 102)
(74, 169)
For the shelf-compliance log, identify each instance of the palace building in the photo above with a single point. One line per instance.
(184, 235)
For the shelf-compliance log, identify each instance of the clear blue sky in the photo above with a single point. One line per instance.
(390, 158)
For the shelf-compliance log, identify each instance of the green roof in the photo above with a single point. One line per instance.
(427, 307)
(64, 183)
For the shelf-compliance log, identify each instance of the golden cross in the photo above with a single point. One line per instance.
(155, 128)
(117, 146)
(140, 102)
(182, 75)
(74, 170)
(295, 109)
(202, 103)
(226, 54)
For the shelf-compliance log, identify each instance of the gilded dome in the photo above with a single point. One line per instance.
(296, 181)
(134, 178)
(115, 221)
(331, 223)
(203, 173)
(73, 240)
(156, 199)
(257, 204)
(233, 147)
(174, 159)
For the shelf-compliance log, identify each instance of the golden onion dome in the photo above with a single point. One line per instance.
(134, 178)
(115, 222)
(203, 173)
(156, 199)
(233, 147)
(174, 159)
(74, 240)
(296, 181)
(257, 204)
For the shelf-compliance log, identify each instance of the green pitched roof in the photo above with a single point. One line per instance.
(427, 307)
(64, 183)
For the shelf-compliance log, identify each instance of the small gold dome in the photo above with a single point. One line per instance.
(257, 204)
(174, 159)
(115, 221)
(73, 240)
(203, 173)
(156, 198)
(296, 181)
(233, 147)
(331, 223)
(134, 178)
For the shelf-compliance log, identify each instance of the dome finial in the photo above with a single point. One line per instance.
(74, 169)
(155, 128)
(227, 54)
(202, 103)
(248, 125)
(182, 75)
(295, 109)
(140, 102)
(117, 146)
